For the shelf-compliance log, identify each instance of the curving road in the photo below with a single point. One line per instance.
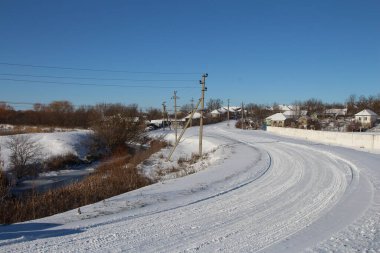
(272, 194)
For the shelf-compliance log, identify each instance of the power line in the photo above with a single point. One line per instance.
(95, 84)
(96, 70)
(15, 103)
(95, 78)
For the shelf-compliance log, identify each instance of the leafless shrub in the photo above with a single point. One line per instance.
(61, 161)
(25, 155)
(181, 161)
(173, 169)
(4, 185)
(194, 158)
(353, 127)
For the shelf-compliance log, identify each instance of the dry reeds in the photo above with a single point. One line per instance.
(111, 178)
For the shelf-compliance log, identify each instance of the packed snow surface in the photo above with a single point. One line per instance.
(258, 193)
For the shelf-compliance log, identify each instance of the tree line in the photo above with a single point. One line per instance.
(64, 114)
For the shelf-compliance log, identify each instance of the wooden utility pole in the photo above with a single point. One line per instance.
(203, 83)
(183, 131)
(175, 114)
(242, 115)
(164, 115)
(192, 109)
(228, 112)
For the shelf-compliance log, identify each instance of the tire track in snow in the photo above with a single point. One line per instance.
(195, 237)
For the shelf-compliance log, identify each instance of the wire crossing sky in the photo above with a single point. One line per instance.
(259, 51)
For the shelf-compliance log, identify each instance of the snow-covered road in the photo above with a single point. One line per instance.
(267, 193)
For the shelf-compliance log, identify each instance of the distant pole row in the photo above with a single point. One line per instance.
(202, 104)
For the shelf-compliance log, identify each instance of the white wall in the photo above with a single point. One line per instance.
(368, 141)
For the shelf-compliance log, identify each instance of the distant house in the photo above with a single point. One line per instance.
(217, 113)
(196, 115)
(158, 123)
(295, 113)
(234, 111)
(335, 112)
(278, 120)
(366, 118)
(195, 120)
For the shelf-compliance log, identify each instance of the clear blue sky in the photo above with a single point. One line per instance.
(260, 51)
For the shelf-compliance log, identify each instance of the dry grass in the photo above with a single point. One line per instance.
(25, 130)
(113, 177)
(60, 162)
(185, 166)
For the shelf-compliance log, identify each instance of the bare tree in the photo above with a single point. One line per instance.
(314, 105)
(186, 108)
(213, 104)
(25, 155)
(276, 107)
(153, 113)
(119, 125)
(351, 104)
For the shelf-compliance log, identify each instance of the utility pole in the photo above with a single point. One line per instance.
(183, 131)
(203, 83)
(242, 115)
(164, 114)
(175, 114)
(228, 112)
(192, 109)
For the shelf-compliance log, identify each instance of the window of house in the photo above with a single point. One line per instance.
(365, 119)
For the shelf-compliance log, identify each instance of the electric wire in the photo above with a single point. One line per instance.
(97, 70)
(18, 104)
(96, 78)
(96, 84)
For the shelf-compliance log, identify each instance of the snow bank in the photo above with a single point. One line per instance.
(181, 163)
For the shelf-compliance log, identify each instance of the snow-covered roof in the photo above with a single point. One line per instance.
(196, 115)
(284, 107)
(157, 121)
(366, 112)
(222, 110)
(277, 117)
(216, 111)
(232, 108)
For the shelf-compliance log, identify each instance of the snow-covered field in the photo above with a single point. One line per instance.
(57, 143)
(255, 192)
